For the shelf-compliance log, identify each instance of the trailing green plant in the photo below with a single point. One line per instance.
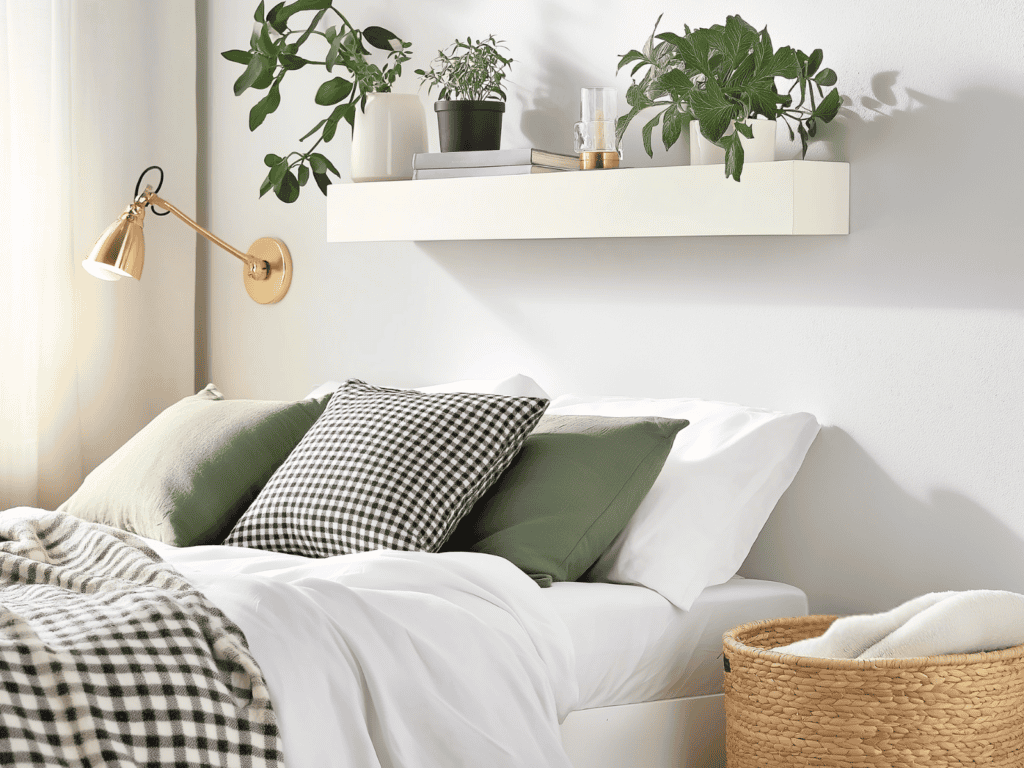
(278, 45)
(471, 70)
(724, 75)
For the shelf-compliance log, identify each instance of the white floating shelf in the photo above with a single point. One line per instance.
(793, 197)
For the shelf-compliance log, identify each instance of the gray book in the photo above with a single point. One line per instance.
(495, 157)
(488, 170)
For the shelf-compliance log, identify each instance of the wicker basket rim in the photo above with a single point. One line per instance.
(734, 645)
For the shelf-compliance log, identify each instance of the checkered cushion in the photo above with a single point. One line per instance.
(386, 469)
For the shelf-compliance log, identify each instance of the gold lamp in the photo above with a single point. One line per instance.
(121, 249)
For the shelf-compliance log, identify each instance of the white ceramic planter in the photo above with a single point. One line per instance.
(386, 135)
(760, 149)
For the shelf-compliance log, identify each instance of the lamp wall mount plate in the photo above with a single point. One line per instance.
(272, 288)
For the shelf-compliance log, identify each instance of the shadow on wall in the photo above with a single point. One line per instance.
(933, 224)
(847, 538)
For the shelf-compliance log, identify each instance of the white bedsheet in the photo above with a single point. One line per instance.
(398, 658)
(633, 645)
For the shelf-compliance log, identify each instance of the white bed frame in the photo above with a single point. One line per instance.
(674, 733)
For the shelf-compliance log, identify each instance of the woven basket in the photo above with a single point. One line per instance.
(934, 711)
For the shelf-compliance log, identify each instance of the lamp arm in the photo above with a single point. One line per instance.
(153, 199)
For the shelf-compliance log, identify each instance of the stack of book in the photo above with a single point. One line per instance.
(497, 162)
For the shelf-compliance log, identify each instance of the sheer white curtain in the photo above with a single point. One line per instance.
(91, 92)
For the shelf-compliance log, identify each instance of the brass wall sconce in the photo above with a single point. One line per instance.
(121, 250)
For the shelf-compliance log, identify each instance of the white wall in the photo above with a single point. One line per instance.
(906, 338)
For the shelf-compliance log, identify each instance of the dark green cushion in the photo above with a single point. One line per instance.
(568, 494)
(189, 474)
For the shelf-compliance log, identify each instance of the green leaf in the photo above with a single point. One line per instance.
(266, 186)
(762, 49)
(342, 111)
(334, 52)
(744, 129)
(803, 139)
(733, 156)
(829, 106)
(265, 44)
(276, 19)
(332, 91)
(321, 164)
(744, 71)
(322, 180)
(288, 190)
(783, 63)
(814, 61)
(309, 30)
(266, 78)
(695, 50)
(826, 77)
(258, 65)
(277, 172)
(290, 61)
(303, 175)
(316, 128)
(271, 160)
(637, 98)
(713, 110)
(258, 16)
(380, 38)
(330, 129)
(633, 55)
(348, 112)
(738, 40)
(648, 129)
(675, 82)
(264, 107)
(239, 57)
(623, 122)
(764, 98)
(672, 127)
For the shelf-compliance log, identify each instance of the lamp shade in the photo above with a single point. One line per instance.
(121, 249)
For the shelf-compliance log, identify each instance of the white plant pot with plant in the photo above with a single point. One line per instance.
(724, 77)
(279, 45)
(760, 149)
(388, 131)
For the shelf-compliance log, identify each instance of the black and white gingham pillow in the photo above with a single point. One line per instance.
(386, 469)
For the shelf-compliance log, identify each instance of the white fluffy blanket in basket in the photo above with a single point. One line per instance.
(935, 624)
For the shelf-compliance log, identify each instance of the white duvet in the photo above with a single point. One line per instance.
(398, 658)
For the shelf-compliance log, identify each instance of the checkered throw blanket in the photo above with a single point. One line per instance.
(108, 656)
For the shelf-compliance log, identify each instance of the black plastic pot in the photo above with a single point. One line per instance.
(465, 126)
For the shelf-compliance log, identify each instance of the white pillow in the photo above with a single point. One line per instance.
(722, 479)
(516, 385)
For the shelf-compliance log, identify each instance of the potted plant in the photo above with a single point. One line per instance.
(471, 99)
(278, 45)
(724, 77)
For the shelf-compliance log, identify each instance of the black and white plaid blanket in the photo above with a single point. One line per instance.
(108, 656)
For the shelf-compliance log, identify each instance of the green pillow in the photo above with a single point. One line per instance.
(571, 490)
(189, 474)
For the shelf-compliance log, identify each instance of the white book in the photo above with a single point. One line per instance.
(495, 157)
(490, 170)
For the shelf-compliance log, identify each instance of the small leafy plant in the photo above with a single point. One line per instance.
(468, 70)
(276, 48)
(726, 75)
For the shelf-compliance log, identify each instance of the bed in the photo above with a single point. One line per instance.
(513, 625)
(616, 656)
